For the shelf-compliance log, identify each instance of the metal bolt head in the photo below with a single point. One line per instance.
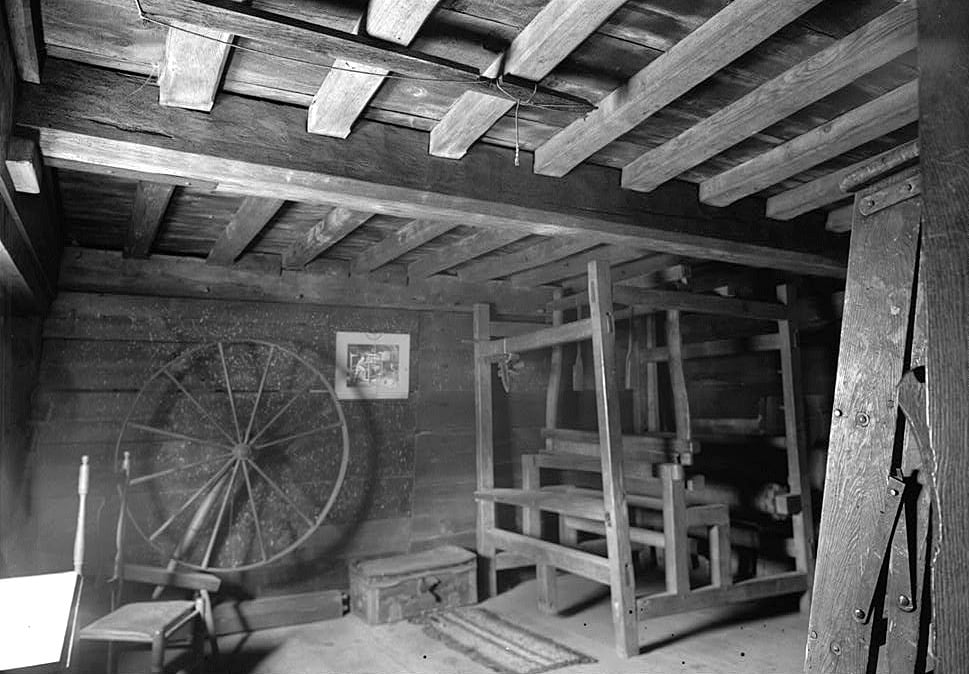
(893, 491)
(859, 614)
(905, 603)
(836, 648)
(813, 634)
(838, 412)
(862, 419)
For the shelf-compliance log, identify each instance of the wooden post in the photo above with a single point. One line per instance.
(484, 453)
(652, 379)
(681, 399)
(677, 549)
(795, 442)
(944, 136)
(621, 580)
(532, 526)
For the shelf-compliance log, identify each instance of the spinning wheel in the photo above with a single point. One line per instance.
(238, 452)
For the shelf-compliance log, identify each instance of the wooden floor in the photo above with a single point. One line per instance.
(747, 638)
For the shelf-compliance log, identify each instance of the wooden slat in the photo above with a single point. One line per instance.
(566, 501)
(479, 243)
(337, 224)
(192, 68)
(656, 605)
(839, 220)
(231, 147)
(629, 270)
(468, 118)
(825, 190)
(412, 235)
(573, 265)
(653, 448)
(25, 38)
(151, 202)
(538, 254)
(944, 66)
(261, 613)
(557, 334)
(703, 304)
(578, 562)
(24, 165)
(189, 580)
(876, 118)
(874, 44)
(730, 33)
(252, 216)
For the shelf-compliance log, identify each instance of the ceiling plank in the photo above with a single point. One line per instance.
(343, 94)
(876, 43)
(25, 38)
(573, 265)
(479, 243)
(151, 202)
(192, 68)
(732, 32)
(251, 217)
(412, 235)
(468, 118)
(824, 190)
(533, 256)
(839, 220)
(337, 224)
(872, 120)
(91, 115)
(161, 275)
(319, 44)
(553, 34)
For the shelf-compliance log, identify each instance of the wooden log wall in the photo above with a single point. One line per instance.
(411, 476)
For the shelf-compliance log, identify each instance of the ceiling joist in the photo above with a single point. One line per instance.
(481, 242)
(527, 258)
(337, 224)
(151, 202)
(412, 235)
(246, 223)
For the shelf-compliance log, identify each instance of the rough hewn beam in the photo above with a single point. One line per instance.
(93, 116)
(466, 121)
(25, 165)
(461, 251)
(730, 33)
(839, 220)
(161, 275)
(151, 202)
(872, 120)
(396, 21)
(253, 214)
(412, 235)
(26, 38)
(533, 256)
(874, 44)
(574, 265)
(192, 68)
(337, 224)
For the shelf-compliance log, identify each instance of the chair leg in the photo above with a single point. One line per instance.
(209, 622)
(158, 653)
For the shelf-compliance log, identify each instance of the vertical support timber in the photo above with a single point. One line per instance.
(681, 398)
(622, 582)
(484, 453)
(652, 379)
(881, 273)
(677, 549)
(532, 526)
(795, 441)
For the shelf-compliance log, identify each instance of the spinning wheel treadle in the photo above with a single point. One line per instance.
(238, 451)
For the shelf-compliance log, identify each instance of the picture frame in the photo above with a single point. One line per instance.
(372, 366)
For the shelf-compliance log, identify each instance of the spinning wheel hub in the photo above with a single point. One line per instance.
(242, 451)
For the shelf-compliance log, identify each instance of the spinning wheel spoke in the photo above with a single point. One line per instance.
(169, 471)
(205, 412)
(177, 436)
(255, 514)
(218, 518)
(301, 434)
(262, 383)
(276, 488)
(198, 492)
(281, 412)
(228, 388)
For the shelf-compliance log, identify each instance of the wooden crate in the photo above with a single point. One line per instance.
(392, 588)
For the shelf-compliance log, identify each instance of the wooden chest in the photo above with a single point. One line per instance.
(389, 589)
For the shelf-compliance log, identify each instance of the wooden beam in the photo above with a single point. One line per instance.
(468, 118)
(573, 265)
(839, 220)
(337, 224)
(27, 40)
(92, 116)
(24, 165)
(396, 21)
(871, 46)
(412, 235)
(822, 191)
(697, 303)
(151, 202)
(630, 270)
(320, 42)
(479, 243)
(252, 216)
(876, 118)
(729, 34)
(161, 275)
(533, 256)
(944, 133)
(195, 56)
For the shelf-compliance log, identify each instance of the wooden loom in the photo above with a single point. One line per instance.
(641, 475)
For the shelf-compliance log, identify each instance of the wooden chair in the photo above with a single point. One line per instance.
(156, 623)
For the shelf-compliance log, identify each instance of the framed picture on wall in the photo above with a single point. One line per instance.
(372, 366)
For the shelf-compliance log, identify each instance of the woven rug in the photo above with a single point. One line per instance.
(496, 643)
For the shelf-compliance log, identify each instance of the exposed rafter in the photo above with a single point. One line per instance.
(729, 34)
(412, 235)
(337, 224)
(195, 56)
(252, 216)
(874, 44)
(151, 202)
(479, 243)
(574, 265)
(533, 256)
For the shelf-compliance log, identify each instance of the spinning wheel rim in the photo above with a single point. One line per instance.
(238, 457)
